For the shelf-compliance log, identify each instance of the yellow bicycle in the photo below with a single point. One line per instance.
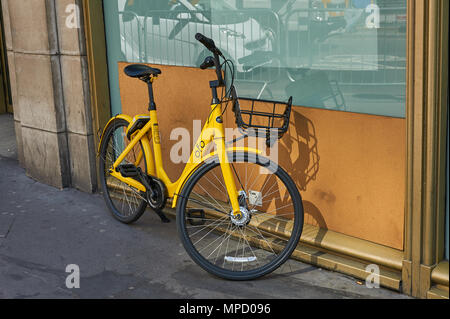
(239, 215)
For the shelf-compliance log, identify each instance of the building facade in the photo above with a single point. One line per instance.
(368, 143)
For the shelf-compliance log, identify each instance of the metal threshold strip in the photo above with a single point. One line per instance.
(440, 280)
(329, 250)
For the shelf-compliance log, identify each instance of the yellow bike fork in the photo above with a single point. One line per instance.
(219, 140)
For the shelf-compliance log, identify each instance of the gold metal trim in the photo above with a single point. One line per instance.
(427, 84)
(355, 257)
(98, 68)
(437, 293)
(440, 274)
(442, 102)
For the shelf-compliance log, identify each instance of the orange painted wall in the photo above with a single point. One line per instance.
(350, 168)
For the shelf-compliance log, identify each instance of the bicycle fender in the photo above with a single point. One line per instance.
(205, 159)
(125, 117)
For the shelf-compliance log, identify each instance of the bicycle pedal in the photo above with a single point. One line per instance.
(196, 217)
(128, 170)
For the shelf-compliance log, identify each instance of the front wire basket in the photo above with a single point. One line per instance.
(262, 118)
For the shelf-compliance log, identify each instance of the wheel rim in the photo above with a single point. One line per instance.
(125, 201)
(251, 245)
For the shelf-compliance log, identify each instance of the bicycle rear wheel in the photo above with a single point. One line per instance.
(126, 203)
(257, 243)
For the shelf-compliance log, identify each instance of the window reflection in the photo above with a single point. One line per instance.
(347, 55)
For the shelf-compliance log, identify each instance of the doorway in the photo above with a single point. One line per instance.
(5, 88)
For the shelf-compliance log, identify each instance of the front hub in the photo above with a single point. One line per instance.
(241, 219)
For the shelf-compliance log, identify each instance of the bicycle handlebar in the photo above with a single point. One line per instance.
(209, 62)
(208, 43)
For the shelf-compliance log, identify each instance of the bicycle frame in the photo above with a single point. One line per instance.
(213, 132)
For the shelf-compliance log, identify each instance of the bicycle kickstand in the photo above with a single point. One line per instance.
(144, 180)
(163, 216)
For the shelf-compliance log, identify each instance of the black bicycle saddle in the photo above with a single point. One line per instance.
(140, 71)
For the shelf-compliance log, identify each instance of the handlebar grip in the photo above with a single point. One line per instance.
(211, 46)
(208, 43)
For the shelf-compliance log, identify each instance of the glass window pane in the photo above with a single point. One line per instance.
(347, 55)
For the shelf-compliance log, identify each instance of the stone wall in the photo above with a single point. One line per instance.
(50, 91)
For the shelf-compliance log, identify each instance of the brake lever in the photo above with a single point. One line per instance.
(208, 63)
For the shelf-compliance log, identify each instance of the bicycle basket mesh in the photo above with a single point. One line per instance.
(261, 118)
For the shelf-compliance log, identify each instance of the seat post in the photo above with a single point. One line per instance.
(152, 105)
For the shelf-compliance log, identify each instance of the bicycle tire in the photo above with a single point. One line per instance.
(184, 218)
(136, 203)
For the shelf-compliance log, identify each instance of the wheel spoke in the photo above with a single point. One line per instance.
(126, 203)
(249, 245)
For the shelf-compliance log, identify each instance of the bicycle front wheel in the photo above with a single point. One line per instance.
(253, 244)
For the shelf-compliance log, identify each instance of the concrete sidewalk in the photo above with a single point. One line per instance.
(42, 230)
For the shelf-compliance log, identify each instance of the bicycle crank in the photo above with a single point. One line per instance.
(156, 190)
(156, 193)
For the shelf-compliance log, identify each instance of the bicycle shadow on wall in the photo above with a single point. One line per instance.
(298, 150)
(300, 146)
(298, 154)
